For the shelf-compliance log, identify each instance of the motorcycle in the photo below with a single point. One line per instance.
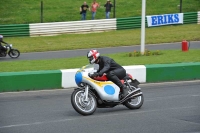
(99, 92)
(13, 53)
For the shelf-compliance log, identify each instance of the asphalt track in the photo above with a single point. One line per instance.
(82, 52)
(168, 108)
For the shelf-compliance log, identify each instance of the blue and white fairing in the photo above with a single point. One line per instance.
(107, 90)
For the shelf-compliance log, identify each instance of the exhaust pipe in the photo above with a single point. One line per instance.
(132, 96)
(138, 89)
(135, 95)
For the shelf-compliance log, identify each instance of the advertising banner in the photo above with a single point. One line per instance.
(165, 19)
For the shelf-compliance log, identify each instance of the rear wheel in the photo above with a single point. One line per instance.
(135, 103)
(14, 53)
(80, 105)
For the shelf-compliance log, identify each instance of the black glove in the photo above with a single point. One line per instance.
(94, 75)
(100, 74)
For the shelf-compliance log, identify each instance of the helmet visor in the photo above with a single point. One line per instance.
(90, 58)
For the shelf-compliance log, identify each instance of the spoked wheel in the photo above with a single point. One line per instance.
(135, 103)
(80, 105)
(14, 53)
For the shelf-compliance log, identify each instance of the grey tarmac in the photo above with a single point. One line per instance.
(110, 50)
(172, 107)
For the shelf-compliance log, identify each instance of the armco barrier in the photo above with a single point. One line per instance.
(38, 80)
(172, 72)
(72, 27)
(190, 18)
(129, 23)
(14, 30)
(42, 29)
(33, 80)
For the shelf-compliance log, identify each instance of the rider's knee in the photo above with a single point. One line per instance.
(110, 74)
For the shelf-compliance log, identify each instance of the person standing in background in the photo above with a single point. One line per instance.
(94, 7)
(83, 10)
(108, 7)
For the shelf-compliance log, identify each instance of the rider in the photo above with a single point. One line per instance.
(2, 48)
(113, 70)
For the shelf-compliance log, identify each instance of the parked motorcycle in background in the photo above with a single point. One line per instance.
(98, 92)
(13, 53)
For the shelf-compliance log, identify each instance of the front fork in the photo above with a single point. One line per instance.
(86, 93)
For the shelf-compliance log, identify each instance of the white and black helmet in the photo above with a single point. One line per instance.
(93, 55)
(1, 38)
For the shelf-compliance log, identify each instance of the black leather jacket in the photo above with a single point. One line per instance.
(1, 41)
(107, 64)
(1, 46)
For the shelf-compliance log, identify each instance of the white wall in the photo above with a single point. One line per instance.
(198, 19)
(138, 72)
(68, 79)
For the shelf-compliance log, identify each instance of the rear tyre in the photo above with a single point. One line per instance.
(135, 103)
(14, 53)
(81, 106)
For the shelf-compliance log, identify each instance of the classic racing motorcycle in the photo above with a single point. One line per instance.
(98, 92)
(13, 53)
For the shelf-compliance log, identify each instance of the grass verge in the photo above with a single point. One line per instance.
(168, 56)
(106, 39)
(28, 11)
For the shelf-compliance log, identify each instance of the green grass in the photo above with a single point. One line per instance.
(28, 11)
(168, 56)
(106, 39)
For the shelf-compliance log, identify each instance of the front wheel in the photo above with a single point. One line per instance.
(14, 53)
(135, 103)
(80, 105)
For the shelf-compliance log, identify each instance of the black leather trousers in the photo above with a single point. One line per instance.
(116, 75)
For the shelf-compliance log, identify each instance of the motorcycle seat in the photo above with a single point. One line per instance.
(102, 78)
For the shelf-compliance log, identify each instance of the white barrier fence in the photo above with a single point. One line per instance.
(42, 29)
(138, 72)
(198, 18)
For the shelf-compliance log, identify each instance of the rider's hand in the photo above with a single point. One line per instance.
(94, 75)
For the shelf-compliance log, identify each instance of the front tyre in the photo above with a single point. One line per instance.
(14, 53)
(135, 103)
(81, 106)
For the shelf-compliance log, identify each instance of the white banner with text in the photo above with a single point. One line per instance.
(165, 19)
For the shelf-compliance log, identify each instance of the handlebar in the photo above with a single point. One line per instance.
(9, 45)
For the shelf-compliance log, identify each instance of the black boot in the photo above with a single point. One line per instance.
(125, 91)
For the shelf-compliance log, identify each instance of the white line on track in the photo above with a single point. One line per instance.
(92, 117)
